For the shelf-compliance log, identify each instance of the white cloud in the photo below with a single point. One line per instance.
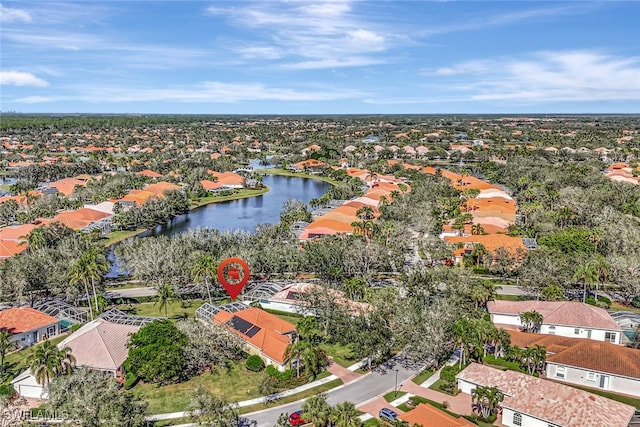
(19, 78)
(332, 63)
(549, 77)
(209, 92)
(9, 14)
(259, 52)
(311, 34)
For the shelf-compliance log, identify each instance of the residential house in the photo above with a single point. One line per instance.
(98, 345)
(264, 334)
(290, 300)
(564, 318)
(536, 402)
(427, 415)
(585, 362)
(28, 326)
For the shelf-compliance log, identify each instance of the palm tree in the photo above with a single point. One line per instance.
(316, 410)
(534, 358)
(462, 333)
(47, 362)
(531, 321)
(479, 252)
(588, 274)
(345, 414)
(486, 400)
(477, 229)
(479, 294)
(5, 346)
(36, 239)
(205, 267)
(604, 269)
(365, 213)
(296, 348)
(91, 266)
(166, 294)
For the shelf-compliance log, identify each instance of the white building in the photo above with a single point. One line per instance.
(535, 402)
(585, 362)
(564, 318)
(28, 326)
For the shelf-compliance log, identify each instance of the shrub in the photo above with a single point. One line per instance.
(604, 302)
(130, 380)
(492, 360)
(6, 390)
(449, 373)
(590, 300)
(254, 363)
(636, 302)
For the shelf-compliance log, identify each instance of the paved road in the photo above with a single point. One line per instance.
(359, 391)
(510, 290)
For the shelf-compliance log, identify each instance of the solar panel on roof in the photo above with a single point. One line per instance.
(251, 332)
(244, 327)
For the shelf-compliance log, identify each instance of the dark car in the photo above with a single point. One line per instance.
(295, 419)
(387, 414)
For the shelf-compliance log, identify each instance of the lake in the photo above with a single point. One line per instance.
(242, 214)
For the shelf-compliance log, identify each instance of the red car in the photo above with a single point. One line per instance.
(295, 419)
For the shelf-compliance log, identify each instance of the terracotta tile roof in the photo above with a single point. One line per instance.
(9, 248)
(270, 339)
(100, 344)
(568, 313)
(24, 319)
(149, 173)
(159, 188)
(427, 415)
(309, 163)
(550, 401)
(289, 294)
(594, 355)
(16, 232)
(67, 185)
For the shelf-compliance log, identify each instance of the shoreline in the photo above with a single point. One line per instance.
(116, 237)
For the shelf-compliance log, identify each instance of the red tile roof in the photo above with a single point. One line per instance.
(270, 339)
(594, 355)
(550, 401)
(427, 415)
(24, 319)
(568, 313)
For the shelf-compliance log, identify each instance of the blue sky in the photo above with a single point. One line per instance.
(324, 57)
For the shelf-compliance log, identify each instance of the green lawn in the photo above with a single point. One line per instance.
(423, 376)
(16, 362)
(118, 236)
(393, 395)
(616, 306)
(371, 422)
(282, 172)
(287, 317)
(241, 194)
(236, 384)
(342, 355)
(175, 309)
(436, 386)
(288, 399)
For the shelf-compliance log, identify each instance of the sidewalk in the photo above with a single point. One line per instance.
(346, 372)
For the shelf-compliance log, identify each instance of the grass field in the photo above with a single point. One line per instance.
(16, 362)
(393, 395)
(616, 306)
(241, 194)
(236, 384)
(423, 376)
(342, 355)
(175, 309)
(282, 172)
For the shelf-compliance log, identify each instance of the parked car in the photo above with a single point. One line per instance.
(387, 414)
(295, 419)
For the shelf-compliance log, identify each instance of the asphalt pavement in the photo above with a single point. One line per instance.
(380, 381)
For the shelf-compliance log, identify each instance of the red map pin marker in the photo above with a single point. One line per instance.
(233, 275)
